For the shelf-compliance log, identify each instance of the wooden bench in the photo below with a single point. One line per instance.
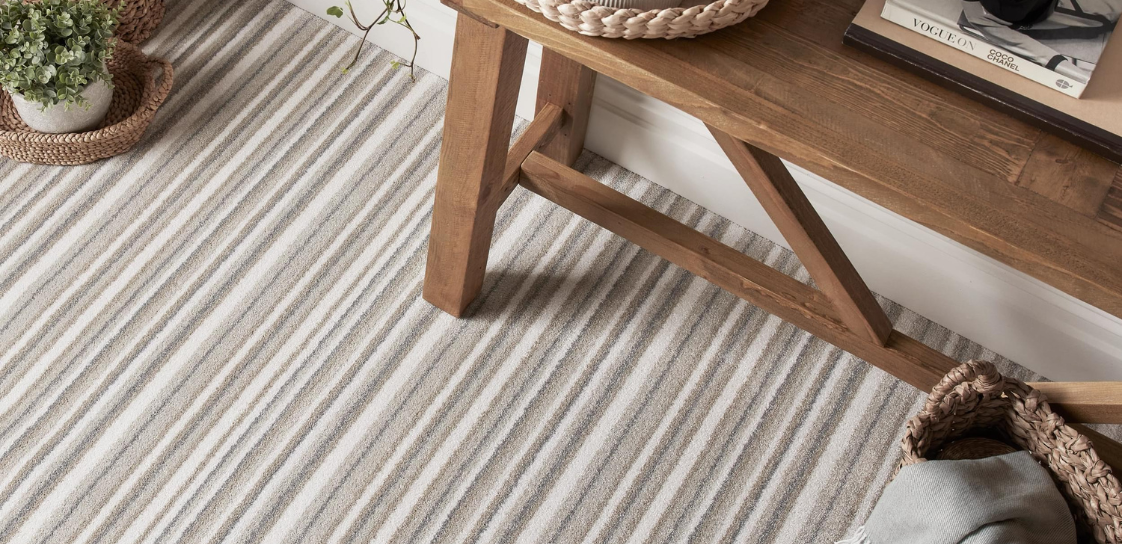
(781, 85)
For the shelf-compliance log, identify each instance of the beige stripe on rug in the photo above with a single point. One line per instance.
(220, 337)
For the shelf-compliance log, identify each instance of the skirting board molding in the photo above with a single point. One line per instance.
(1018, 316)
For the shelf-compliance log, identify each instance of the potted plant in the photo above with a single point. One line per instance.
(52, 62)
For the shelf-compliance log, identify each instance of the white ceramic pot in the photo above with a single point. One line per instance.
(645, 5)
(59, 119)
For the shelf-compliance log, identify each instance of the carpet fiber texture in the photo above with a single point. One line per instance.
(219, 337)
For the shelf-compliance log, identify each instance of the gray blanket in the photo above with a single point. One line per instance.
(1008, 499)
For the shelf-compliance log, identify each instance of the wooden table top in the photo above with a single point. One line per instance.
(783, 81)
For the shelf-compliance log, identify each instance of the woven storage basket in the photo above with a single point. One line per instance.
(138, 18)
(136, 97)
(974, 448)
(682, 22)
(976, 398)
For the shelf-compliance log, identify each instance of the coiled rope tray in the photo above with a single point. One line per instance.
(974, 398)
(681, 22)
(136, 97)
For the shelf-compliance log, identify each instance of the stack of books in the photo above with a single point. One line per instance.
(1031, 58)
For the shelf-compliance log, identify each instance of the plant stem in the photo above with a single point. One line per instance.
(391, 7)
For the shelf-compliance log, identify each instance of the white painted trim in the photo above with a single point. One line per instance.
(1013, 314)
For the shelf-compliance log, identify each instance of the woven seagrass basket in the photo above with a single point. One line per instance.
(681, 22)
(974, 448)
(975, 398)
(138, 18)
(136, 97)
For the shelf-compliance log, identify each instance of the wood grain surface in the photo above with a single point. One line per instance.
(1068, 175)
(477, 126)
(784, 82)
(1111, 212)
(569, 85)
(1087, 402)
(902, 356)
(782, 85)
(729, 269)
(796, 218)
(542, 130)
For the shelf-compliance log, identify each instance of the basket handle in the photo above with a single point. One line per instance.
(167, 77)
(981, 375)
(950, 408)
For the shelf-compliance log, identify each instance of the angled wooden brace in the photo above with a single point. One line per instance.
(787, 205)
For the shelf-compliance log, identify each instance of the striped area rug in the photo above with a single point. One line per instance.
(219, 337)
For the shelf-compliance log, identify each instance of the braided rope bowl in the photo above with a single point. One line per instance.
(138, 18)
(975, 397)
(681, 22)
(136, 97)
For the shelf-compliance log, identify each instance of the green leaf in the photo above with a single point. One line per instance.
(335, 10)
(51, 50)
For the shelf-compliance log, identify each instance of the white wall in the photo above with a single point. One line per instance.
(1016, 315)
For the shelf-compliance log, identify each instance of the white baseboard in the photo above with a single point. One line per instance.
(1017, 316)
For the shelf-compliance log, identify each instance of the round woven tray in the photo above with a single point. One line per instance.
(975, 397)
(682, 22)
(138, 18)
(136, 97)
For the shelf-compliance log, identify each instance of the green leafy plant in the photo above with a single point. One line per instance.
(393, 11)
(52, 49)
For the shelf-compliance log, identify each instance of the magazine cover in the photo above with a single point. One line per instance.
(1056, 43)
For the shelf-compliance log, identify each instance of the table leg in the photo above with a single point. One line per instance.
(568, 84)
(482, 90)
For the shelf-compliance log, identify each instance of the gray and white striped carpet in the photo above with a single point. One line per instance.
(220, 337)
